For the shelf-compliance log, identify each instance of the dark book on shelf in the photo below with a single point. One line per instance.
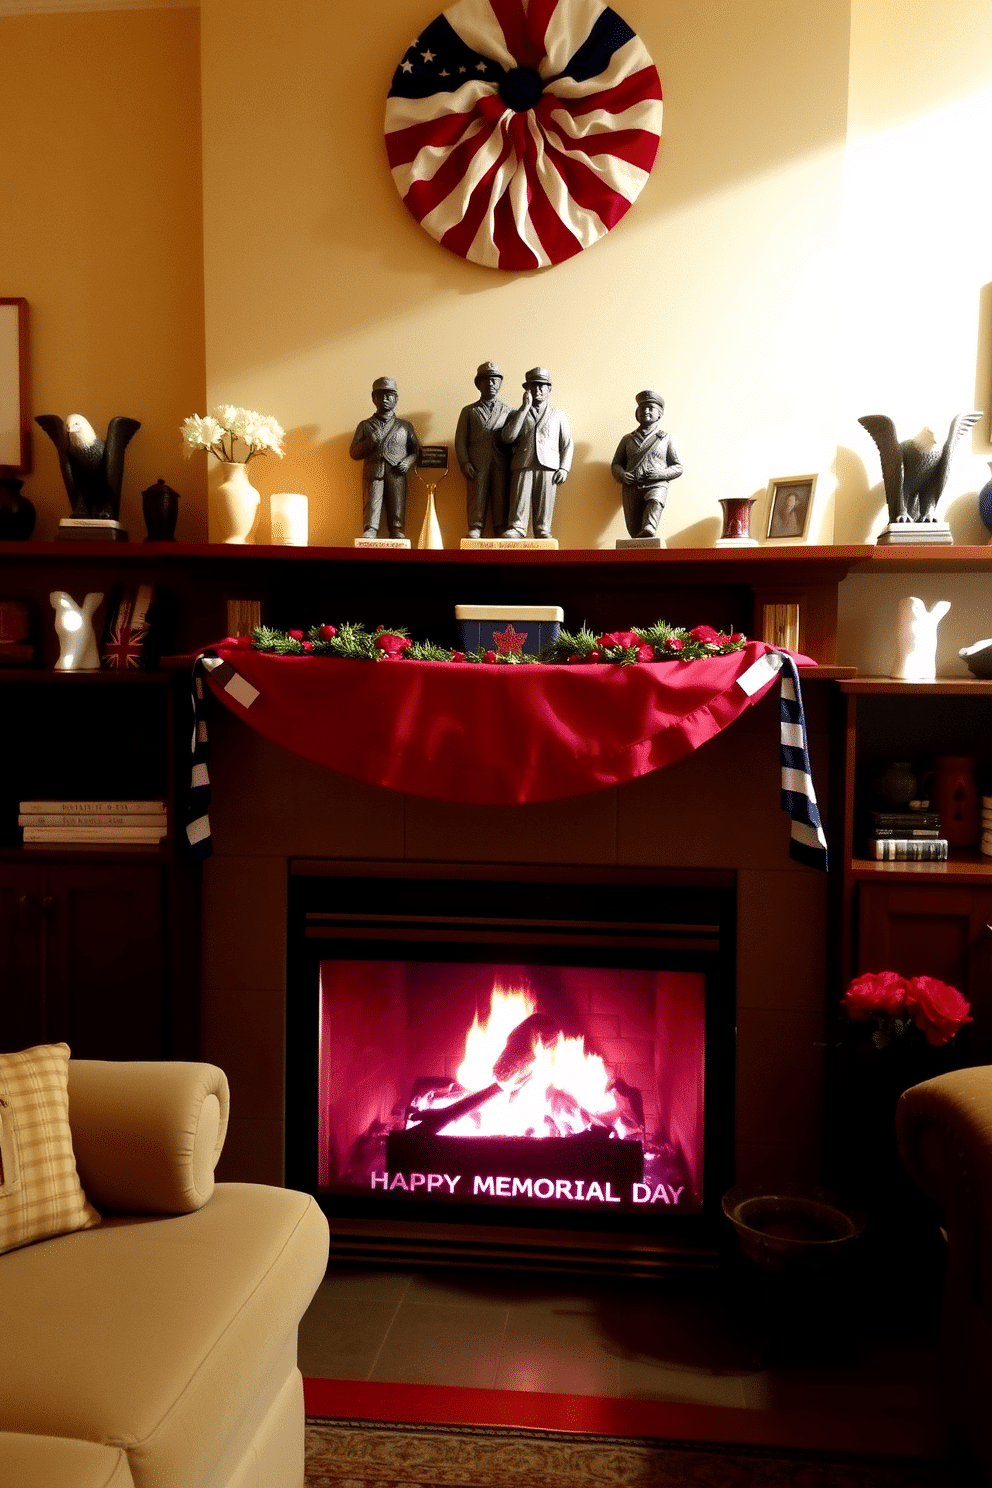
(16, 654)
(883, 833)
(912, 819)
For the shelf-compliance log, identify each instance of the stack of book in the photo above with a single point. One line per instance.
(985, 846)
(909, 836)
(123, 823)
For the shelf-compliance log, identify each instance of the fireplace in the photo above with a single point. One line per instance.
(509, 1063)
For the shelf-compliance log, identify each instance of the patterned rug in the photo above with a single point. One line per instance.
(383, 1454)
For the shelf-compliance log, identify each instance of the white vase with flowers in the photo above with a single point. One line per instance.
(234, 436)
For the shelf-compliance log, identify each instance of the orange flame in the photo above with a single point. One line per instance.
(566, 1086)
(484, 1042)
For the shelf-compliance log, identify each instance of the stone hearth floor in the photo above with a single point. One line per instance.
(873, 1387)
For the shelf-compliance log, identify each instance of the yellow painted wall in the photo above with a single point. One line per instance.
(915, 262)
(718, 286)
(101, 231)
(915, 270)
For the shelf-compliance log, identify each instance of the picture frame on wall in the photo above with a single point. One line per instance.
(15, 422)
(789, 507)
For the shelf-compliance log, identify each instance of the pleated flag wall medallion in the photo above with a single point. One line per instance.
(519, 132)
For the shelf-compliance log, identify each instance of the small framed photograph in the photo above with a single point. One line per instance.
(790, 506)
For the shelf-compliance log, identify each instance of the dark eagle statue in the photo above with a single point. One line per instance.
(92, 468)
(914, 472)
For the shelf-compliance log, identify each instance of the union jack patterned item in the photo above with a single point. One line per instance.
(128, 631)
(519, 132)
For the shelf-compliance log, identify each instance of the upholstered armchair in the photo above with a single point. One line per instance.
(944, 1128)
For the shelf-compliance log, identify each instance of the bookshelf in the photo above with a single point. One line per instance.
(916, 917)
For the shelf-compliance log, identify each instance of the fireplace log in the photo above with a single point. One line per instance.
(591, 1156)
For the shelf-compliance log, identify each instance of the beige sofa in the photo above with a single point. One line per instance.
(157, 1349)
(944, 1127)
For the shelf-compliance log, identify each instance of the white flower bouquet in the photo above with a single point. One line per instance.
(226, 428)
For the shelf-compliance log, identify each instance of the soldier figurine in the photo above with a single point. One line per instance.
(645, 461)
(388, 445)
(542, 456)
(481, 455)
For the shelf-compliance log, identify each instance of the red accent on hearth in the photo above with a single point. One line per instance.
(492, 735)
(455, 1405)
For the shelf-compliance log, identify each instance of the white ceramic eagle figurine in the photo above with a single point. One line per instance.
(914, 472)
(92, 468)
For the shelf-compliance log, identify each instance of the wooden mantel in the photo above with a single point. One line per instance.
(602, 587)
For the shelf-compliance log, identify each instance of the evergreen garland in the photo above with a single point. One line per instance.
(353, 642)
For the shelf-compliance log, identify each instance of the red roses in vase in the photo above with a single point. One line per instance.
(894, 1003)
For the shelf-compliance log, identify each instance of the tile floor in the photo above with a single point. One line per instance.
(631, 1340)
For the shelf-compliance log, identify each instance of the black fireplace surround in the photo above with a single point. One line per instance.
(510, 1064)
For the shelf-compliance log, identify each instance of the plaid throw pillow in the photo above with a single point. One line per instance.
(40, 1192)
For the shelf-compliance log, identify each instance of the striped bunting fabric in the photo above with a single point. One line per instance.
(198, 800)
(808, 844)
(519, 132)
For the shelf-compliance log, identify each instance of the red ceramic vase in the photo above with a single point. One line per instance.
(951, 784)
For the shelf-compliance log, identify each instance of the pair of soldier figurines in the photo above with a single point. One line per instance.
(513, 459)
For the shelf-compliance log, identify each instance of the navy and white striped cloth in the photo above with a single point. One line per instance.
(198, 801)
(808, 843)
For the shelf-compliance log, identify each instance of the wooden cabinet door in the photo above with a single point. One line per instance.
(22, 968)
(105, 953)
(934, 930)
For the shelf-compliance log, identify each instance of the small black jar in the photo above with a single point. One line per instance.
(160, 508)
(17, 513)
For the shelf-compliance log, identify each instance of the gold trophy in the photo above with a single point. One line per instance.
(431, 468)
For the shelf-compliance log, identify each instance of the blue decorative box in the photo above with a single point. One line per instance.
(508, 629)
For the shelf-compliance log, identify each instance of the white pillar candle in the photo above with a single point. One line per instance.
(288, 511)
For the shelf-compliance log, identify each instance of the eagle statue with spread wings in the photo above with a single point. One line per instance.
(914, 472)
(92, 468)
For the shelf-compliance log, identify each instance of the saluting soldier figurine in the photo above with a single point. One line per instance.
(644, 463)
(542, 456)
(389, 446)
(481, 455)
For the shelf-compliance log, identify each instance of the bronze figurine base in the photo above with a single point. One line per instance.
(510, 544)
(91, 529)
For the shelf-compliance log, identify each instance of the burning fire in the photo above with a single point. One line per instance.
(560, 1088)
(485, 1042)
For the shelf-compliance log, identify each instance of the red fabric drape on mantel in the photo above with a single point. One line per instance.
(493, 735)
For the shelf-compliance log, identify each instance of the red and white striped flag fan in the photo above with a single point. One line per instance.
(520, 131)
